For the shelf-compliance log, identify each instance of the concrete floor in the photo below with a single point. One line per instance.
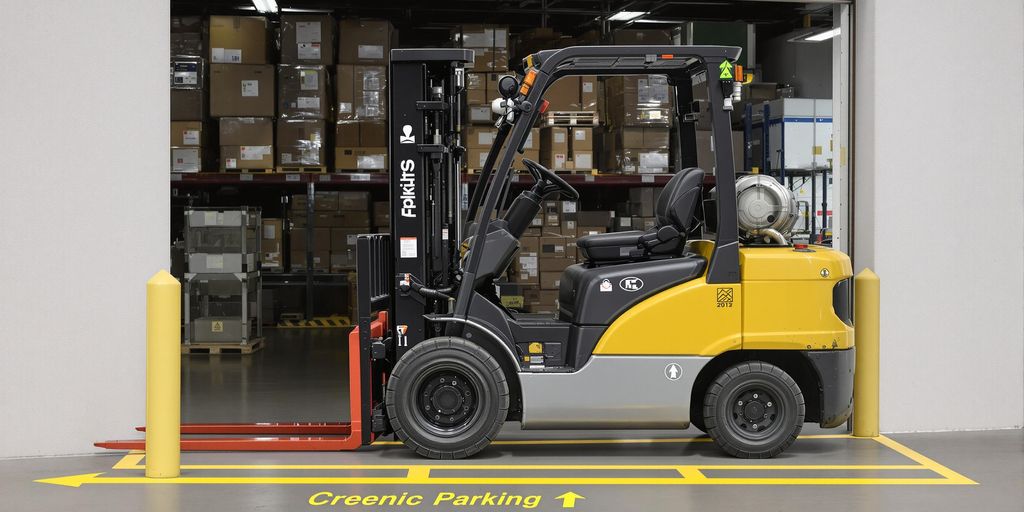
(299, 376)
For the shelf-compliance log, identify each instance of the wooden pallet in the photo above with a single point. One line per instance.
(591, 172)
(216, 349)
(248, 171)
(570, 119)
(307, 169)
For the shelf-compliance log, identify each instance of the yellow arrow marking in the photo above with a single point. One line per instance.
(569, 499)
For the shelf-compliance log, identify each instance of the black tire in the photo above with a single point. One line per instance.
(463, 388)
(754, 410)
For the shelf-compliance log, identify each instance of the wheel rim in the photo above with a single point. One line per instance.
(447, 400)
(755, 412)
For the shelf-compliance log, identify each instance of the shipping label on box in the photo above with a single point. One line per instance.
(185, 73)
(250, 88)
(185, 160)
(226, 55)
(255, 152)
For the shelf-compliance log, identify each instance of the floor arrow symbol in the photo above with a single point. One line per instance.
(569, 499)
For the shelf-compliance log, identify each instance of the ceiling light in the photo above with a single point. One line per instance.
(823, 36)
(265, 6)
(626, 15)
(648, 20)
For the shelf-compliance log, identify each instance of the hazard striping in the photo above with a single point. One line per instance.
(326, 322)
(430, 473)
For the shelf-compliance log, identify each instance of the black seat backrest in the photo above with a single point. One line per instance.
(677, 204)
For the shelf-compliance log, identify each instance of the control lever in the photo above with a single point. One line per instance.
(664, 234)
(407, 284)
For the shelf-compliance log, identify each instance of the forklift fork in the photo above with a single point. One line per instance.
(305, 436)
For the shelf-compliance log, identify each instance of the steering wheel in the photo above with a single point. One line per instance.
(548, 181)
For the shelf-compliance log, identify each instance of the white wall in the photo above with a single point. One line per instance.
(939, 206)
(84, 216)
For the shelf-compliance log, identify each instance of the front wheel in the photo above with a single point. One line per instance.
(754, 410)
(447, 398)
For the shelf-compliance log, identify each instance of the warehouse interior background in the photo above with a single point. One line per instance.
(933, 200)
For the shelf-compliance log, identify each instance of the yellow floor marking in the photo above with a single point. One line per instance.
(94, 478)
(924, 461)
(421, 473)
(131, 461)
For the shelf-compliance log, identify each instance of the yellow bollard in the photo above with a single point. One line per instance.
(163, 376)
(866, 287)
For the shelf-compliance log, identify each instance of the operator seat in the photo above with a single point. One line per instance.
(675, 210)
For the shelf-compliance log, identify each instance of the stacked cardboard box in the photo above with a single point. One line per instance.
(272, 245)
(567, 148)
(644, 102)
(307, 39)
(489, 44)
(545, 251)
(360, 130)
(242, 90)
(481, 90)
(479, 138)
(189, 131)
(338, 216)
(303, 108)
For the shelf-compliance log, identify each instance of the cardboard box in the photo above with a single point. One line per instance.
(272, 243)
(323, 201)
(321, 261)
(363, 41)
(637, 137)
(302, 92)
(300, 142)
(706, 157)
(529, 245)
(334, 219)
(357, 159)
(188, 72)
(357, 201)
(238, 40)
(246, 157)
(187, 44)
(480, 136)
(642, 199)
(344, 239)
(373, 134)
(241, 90)
(481, 88)
(480, 114)
(593, 219)
(246, 131)
(321, 239)
(550, 280)
(186, 159)
(343, 260)
(638, 100)
(582, 232)
(564, 94)
(642, 161)
(554, 147)
(187, 133)
(547, 301)
(360, 92)
(588, 93)
(555, 264)
(186, 24)
(553, 247)
(188, 104)
(307, 39)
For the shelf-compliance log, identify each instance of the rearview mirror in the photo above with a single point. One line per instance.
(507, 86)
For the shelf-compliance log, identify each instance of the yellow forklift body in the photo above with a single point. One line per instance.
(784, 302)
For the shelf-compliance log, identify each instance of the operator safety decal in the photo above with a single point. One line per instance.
(724, 297)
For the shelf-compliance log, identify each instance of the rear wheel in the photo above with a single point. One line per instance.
(754, 410)
(447, 398)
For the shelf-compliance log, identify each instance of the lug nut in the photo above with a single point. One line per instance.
(740, 402)
(755, 426)
(755, 394)
(769, 404)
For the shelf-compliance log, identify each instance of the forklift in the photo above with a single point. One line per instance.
(744, 338)
(655, 329)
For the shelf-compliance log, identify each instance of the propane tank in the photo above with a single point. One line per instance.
(765, 209)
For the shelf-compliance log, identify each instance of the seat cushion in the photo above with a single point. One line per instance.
(608, 246)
